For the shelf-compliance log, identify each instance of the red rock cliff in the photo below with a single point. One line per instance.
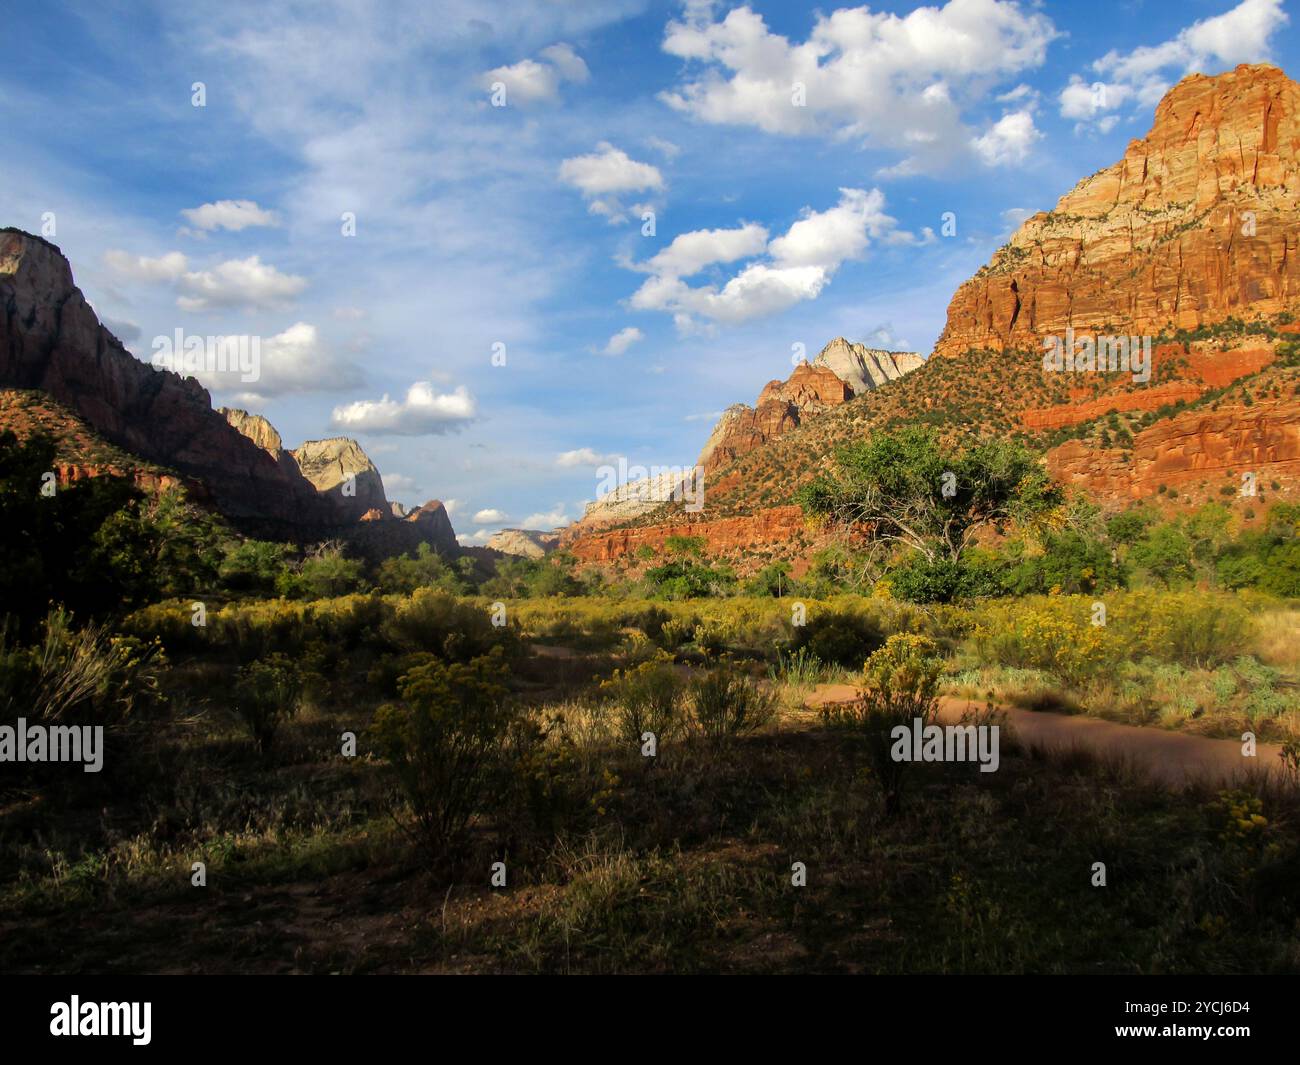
(1196, 223)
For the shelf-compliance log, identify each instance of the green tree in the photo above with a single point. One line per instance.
(444, 740)
(905, 488)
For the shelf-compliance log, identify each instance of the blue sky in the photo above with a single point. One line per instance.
(798, 163)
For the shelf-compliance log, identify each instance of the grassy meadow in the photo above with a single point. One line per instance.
(229, 746)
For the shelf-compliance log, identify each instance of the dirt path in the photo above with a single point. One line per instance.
(1172, 757)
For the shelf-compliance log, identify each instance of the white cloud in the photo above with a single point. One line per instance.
(606, 173)
(292, 362)
(1143, 75)
(238, 283)
(125, 331)
(583, 456)
(423, 411)
(664, 147)
(1008, 140)
(896, 82)
(548, 520)
(622, 340)
(827, 238)
(128, 267)
(475, 539)
(490, 516)
(1013, 216)
(1085, 101)
(398, 484)
(530, 81)
(801, 262)
(229, 214)
(689, 253)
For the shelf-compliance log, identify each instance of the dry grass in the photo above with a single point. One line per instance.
(1277, 638)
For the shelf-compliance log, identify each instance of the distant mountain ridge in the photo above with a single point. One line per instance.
(51, 341)
(1192, 241)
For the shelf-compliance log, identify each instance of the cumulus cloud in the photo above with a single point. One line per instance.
(475, 539)
(490, 516)
(1141, 76)
(125, 331)
(604, 175)
(294, 361)
(398, 484)
(893, 81)
(1008, 140)
(689, 253)
(238, 283)
(532, 81)
(1013, 216)
(423, 411)
(583, 456)
(548, 520)
(622, 340)
(127, 267)
(233, 215)
(799, 264)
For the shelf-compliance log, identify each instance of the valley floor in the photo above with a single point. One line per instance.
(1100, 845)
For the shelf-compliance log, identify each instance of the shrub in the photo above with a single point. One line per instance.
(646, 698)
(713, 635)
(267, 692)
(839, 636)
(324, 575)
(675, 632)
(68, 675)
(425, 569)
(1189, 627)
(1047, 634)
(445, 740)
(801, 668)
(900, 684)
(726, 704)
(683, 578)
(253, 566)
(435, 621)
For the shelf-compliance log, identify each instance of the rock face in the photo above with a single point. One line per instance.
(526, 543)
(636, 497)
(863, 368)
(1212, 448)
(380, 535)
(341, 472)
(52, 343)
(51, 340)
(776, 525)
(1196, 373)
(841, 371)
(1195, 224)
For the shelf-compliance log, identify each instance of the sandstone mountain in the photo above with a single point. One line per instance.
(841, 371)
(1190, 240)
(339, 470)
(638, 496)
(1195, 224)
(863, 368)
(51, 340)
(526, 543)
(160, 428)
